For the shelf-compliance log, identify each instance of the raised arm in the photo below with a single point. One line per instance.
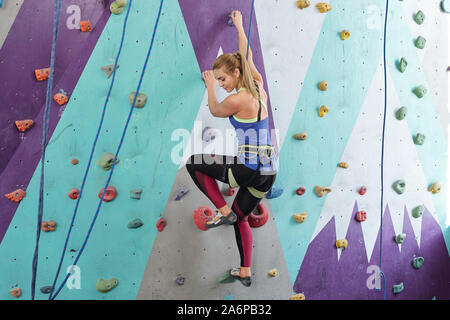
(242, 42)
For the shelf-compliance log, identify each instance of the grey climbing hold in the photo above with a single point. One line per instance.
(180, 280)
(419, 139)
(399, 186)
(46, 289)
(181, 193)
(106, 285)
(208, 134)
(420, 42)
(420, 91)
(400, 238)
(136, 194)
(418, 211)
(419, 17)
(106, 161)
(398, 287)
(108, 70)
(402, 65)
(417, 262)
(401, 113)
(134, 224)
(141, 99)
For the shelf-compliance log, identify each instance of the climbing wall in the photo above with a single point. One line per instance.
(294, 50)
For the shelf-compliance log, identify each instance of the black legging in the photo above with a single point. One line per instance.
(205, 169)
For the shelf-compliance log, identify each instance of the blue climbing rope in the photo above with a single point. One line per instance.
(382, 148)
(48, 98)
(250, 27)
(52, 297)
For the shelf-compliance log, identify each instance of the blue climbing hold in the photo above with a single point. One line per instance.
(274, 193)
(1, 3)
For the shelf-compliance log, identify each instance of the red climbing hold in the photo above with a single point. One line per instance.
(161, 224)
(300, 191)
(362, 191)
(16, 196)
(202, 215)
(24, 125)
(361, 216)
(74, 161)
(74, 193)
(85, 26)
(230, 191)
(60, 98)
(110, 193)
(258, 217)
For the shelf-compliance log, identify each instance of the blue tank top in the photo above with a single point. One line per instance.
(254, 142)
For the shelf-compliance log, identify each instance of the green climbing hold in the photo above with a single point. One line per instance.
(401, 113)
(418, 211)
(420, 42)
(226, 278)
(417, 262)
(398, 287)
(420, 91)
(136, 194)
(106, 285)
(399, 186)
(141, 99)
(400, 238)
(419, 139)
(419, 17)
(115, 9)
(402, 65)
(136, 223)
(106, 161)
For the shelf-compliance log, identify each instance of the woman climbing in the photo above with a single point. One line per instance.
(254, 168)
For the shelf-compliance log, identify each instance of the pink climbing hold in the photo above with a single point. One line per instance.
(362, 191)
(202, 215)
(74, 193)
(110, 193)
(161, 224)
(361, 216)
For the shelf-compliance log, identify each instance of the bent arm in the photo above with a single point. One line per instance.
(224, 109)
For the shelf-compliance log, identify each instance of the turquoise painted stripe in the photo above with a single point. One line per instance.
(175, 90)
(422, 113)
(349, 69)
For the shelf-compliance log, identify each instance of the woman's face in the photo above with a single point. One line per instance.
(227, 81)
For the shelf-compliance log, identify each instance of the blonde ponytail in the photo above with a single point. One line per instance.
(230, 61)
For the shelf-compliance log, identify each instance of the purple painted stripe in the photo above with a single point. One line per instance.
(20, 158)
(322, 276)
(206, 22)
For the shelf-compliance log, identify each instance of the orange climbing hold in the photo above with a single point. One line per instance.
(48, 226)
(61, 98)
(24, 125)
(16, 196)
(85, 26)
(16, 292)
(42, 74)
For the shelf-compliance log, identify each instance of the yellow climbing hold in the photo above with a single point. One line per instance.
(300, 217)
(323, 7)
(298, 296)
(342, 243)
(301, 136)
(435, 188)
(321, 191)
(343, 165)
(302, 4)
(323, 111)
(345, 34)
(273, 272)
(323, 85)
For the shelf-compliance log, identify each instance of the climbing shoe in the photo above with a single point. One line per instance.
(219, 219)
(246, 281)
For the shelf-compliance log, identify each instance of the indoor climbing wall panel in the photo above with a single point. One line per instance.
(295, 50)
